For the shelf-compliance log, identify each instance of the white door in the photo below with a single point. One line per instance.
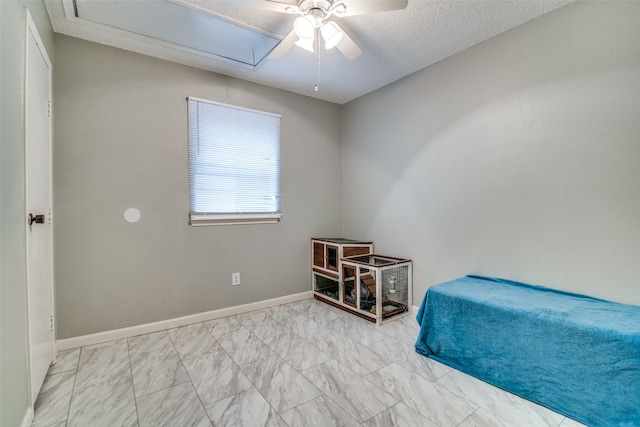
(38, 202)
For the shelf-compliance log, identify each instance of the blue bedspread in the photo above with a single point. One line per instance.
(577, 355)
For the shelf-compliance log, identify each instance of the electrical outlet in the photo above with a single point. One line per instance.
(235, 279)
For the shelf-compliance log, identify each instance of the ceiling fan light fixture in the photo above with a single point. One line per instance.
(339, 8)
(304, 27)
(331, 35)
(306, 43)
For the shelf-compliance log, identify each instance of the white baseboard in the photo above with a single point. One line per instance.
(148, 328)
(28, 418)
(415, 309)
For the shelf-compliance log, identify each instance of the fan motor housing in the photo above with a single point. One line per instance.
(325, 7)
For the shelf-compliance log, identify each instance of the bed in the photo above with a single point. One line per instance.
(576, 355)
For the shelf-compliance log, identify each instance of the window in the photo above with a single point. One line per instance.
(234, 164)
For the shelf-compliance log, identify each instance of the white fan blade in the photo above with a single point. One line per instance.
(284, 46)
(284, 6)
(361, 7)
(348, 47)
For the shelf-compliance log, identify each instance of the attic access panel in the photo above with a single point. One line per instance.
(181, 24)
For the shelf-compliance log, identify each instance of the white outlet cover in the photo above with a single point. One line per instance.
(132, 215)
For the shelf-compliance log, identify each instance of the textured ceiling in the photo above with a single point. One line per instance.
(395, 43)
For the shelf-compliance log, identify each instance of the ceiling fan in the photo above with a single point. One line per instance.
(313, 21)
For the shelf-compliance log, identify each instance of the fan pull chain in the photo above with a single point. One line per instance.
(317, 51)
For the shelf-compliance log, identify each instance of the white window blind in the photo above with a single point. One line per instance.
(234, 164)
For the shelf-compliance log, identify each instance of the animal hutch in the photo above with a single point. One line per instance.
(347, 274)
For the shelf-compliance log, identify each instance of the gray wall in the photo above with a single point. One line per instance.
(14, 398)
(121, 141)
(517, 158)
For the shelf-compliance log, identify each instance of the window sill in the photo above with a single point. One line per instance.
(200, 220)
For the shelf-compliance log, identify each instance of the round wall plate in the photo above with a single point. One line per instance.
(132, 215)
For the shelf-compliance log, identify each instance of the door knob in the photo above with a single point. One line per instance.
(38, 219)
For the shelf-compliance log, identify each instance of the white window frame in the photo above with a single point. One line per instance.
(226, 218)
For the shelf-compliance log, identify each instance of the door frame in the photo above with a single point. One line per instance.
(32, 30)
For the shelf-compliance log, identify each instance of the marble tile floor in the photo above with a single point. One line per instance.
(299, 364)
